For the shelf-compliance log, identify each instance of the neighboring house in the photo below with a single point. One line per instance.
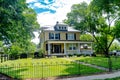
(62, 39)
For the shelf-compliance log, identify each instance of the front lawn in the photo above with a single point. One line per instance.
(40, 68)
(100, 61)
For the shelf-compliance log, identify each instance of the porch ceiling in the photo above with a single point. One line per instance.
(64, 41)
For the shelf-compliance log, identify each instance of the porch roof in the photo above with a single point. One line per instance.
(68, 41)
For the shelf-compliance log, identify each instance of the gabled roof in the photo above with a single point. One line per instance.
(52, 28)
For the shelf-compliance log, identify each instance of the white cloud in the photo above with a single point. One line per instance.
(36, 39)
(64, 7)
(29, 1)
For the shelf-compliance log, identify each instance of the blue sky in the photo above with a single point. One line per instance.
(50, 11)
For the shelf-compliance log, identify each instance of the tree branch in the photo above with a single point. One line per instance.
(111, 42)
(98, 42)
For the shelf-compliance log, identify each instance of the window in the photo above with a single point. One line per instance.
(71, 36)
(51, 35)
(72, 46)
(64, 28)
(57, 36)
(54, 36)
(59, 27)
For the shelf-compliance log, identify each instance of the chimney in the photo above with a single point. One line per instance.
(57, 22)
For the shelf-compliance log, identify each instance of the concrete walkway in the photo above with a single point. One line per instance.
(95, 77)
(90, 65)
(5, 77)
(94, 66)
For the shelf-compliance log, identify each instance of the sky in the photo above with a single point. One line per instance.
(51, 11)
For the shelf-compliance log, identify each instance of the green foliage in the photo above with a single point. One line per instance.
(17, 23)
(115, 46)
(100, 18)
(86, 37)
(41, 53)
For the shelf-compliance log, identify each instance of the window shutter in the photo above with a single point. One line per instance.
(59, 36)
(66, 36)
(46, 47)
(49, 35)
(74, 36)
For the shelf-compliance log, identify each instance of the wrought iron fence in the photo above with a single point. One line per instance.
(43, 70)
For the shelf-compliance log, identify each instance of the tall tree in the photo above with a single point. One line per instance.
(17, 21)
(101, 19)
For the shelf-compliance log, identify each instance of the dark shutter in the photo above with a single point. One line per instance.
(46, 47)
(49, 35)
(66, 37)
(74, 36)
(59, 36)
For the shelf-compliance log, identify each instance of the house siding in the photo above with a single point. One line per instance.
(62, 35)
(78, 36)
(46, 36)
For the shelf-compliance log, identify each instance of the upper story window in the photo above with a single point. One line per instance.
(54, 36)
(71, 36)
(51, 35)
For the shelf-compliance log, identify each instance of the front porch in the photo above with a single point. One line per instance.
(64, 48)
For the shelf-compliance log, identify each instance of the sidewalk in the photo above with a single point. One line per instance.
(95, 77)
(5, 77)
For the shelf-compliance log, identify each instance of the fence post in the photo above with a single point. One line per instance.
(79, 67)
(1, 58)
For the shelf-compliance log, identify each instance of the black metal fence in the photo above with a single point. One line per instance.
(43, 70)
(4, 57)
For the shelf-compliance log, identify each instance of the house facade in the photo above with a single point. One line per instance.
(62, 39)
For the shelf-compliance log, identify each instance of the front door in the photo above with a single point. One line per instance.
(57, 48)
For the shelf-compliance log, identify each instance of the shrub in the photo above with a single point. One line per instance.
(13, 56)
(23, 55)
(70, 55)
(36, 55)
(75, 54)
(41, 53)
(94, 55)
(78, 55)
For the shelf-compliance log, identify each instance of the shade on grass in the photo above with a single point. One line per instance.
(100, 61)
(40, 68)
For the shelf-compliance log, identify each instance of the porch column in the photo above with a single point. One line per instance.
(79, 48)
(65, 48)
(48, 48)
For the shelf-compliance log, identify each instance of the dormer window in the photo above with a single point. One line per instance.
(64, 28)
(60, 27)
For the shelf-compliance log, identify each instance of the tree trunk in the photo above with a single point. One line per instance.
(109, 60)
(110, 64)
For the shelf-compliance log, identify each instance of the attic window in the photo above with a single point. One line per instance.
(59, 27)
(64, 28)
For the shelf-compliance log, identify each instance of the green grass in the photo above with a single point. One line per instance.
(38, 68)
(100, 61)
(117, 78)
